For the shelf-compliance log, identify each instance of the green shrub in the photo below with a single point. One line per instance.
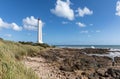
(44, 45)
(1, 38)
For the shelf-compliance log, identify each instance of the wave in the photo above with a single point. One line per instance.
(110, 54)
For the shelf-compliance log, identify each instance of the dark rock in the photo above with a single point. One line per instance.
(117, 61)
(78, 77)
(91, 76)
(95, 51)
(106, 74)
(66, 68)
(102, 78)
(83, 73)
(111, 72)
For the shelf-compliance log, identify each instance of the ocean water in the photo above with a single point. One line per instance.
(114, 49)
(90, 46)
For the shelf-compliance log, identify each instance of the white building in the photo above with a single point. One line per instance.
(40, 24)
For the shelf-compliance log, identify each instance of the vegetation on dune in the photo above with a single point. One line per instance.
(10, 55)
(44, 45)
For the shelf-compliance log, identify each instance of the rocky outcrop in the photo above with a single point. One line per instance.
(105, 74)
(76, 64)
(75, 59)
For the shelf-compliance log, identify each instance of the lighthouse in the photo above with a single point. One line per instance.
(40, 31)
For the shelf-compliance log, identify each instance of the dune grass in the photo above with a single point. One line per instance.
(11, 54)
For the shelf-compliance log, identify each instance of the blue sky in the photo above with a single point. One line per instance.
(64, 21)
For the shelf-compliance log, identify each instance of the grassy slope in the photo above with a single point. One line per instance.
(10, 65)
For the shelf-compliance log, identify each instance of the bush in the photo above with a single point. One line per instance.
(27, 43)
(41, 44)
(44, 45)
(1, 38)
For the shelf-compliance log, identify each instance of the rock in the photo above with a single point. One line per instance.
(102, 78)
(117, 72)
(91, 76)
(95, 51)
(66, 68)
(117, 61)
(78, 77)
(83, 73)
(100, 72)
(106, 74)
(111, 72)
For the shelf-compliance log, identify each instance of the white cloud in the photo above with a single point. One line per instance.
(84, 31)
(8, 35)
(6, 25)
(16, 27)
(84, 11)
(80, 24)
(117, 8)
(62, 9)
(30, 23)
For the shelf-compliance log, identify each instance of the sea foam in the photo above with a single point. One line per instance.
(112, 54)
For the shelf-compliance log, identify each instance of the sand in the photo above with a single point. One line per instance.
(43, 69)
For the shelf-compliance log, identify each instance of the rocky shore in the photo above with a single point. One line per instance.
(66, 63)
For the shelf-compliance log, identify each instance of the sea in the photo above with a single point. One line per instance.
(114, 49)
(90, 46)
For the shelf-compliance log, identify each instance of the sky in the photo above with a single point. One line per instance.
(78, 22)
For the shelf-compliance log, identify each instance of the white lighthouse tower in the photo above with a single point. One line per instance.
(40, 31)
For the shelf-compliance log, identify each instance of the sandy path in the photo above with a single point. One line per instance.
(42, 68)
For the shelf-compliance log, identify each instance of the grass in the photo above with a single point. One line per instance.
(11, 54)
